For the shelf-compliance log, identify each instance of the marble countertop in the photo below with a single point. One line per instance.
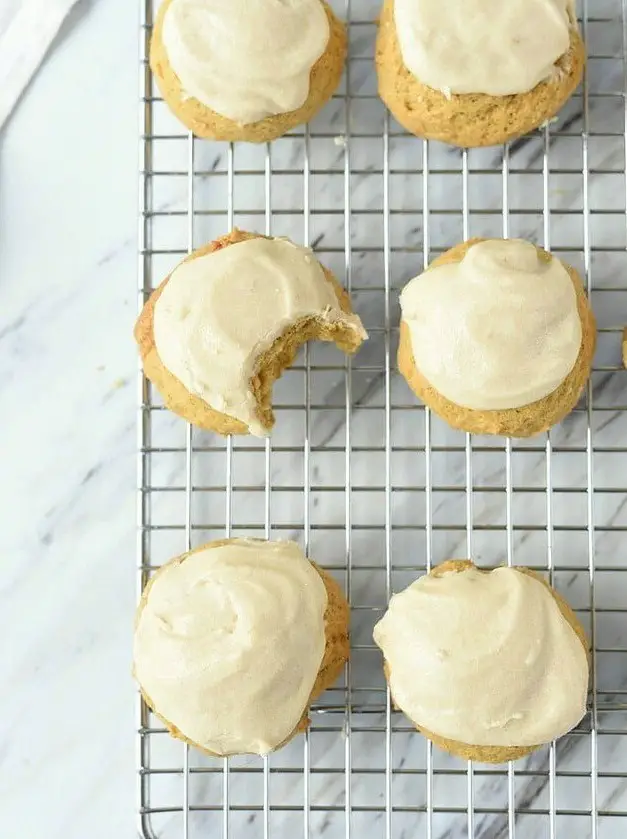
(68, 262)
(68, 210)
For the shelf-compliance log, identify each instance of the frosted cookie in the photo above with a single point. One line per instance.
(489, 665)
(497, 337)
(234, 640)
(225, 324)
(238, 70)
(481, 72)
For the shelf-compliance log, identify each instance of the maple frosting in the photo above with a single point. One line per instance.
(246, 60)
(484, 658)
(229, 643)
(498, 330)
(497, 47)
(218, 312)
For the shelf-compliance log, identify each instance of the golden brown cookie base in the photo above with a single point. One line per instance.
(270, 364)
(515, 422)
(625, 347)
(325, 77)
(336, 651)
(468, 119)
(494, 754)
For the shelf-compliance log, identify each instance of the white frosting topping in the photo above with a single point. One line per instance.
(245, 59)
(486, 659)
(496, 47)
(230, 641)
(498, 330)
(217, 313)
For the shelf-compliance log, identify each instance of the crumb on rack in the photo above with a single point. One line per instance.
(548, 122)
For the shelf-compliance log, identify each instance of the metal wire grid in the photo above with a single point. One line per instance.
(375, 487)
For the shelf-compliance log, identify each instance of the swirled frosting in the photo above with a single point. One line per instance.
(497, 47)
(218, 312)
(498, 330)
(245, 60)
(484, 658)
(229, 642)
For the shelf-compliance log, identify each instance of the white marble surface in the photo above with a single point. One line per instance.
(68, 191)
(67, 302)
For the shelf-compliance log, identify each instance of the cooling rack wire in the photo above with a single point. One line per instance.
(375, 487)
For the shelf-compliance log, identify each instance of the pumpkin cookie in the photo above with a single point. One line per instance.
(487, 664)
(235, 640)
(225, 324)
(497, 337)
(246, 71)
(495, 71)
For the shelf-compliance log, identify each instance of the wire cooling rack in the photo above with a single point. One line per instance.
(375, 487)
